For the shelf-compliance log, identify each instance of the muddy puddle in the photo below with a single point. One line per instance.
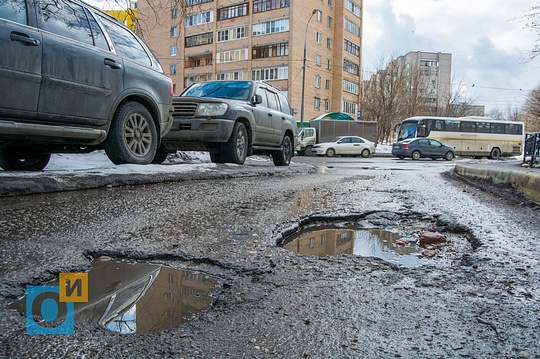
(333, 240)
(127, 297)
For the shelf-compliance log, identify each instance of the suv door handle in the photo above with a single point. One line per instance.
(112, 64)
(23, 39)
(270, 114)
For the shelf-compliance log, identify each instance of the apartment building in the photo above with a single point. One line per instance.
(435, 70)
(198, 40)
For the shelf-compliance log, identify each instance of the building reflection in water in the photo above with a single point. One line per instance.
(328, 241)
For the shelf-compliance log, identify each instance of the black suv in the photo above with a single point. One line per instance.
(74, 79)
(232, 120)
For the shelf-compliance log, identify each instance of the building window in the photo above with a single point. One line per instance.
(189, 80)
(274, 50)
(352, 27)
(327, 107)
(199, 18)
(197, 61)
(271, 27)
(327, 86)
(330, 22)
(328, 64)
(270, 73)
(174, 13)
(232, 75)
(318, 60)
(173, 69)
(319, 16)
(233, 33)
(319, 38)
(330, 3)
(267, 5)
(231, 56)
(352, 7)
(173, 50)
(351, 67)
(317, 81)
(196, 2)
(329, 43)
(174, 31)
(350, 87)
(231, 12)
(317, 104)
(352, 47)
(199, 39)
(349, 107)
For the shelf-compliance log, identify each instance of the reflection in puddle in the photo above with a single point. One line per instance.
(138, 298)
(378, 243)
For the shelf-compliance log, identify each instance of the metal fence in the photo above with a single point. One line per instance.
(532, 149)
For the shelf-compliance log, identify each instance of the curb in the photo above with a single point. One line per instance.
(523, 182)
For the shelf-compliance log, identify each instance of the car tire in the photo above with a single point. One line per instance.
(283, 156)
(449, 156)
(365, 153)
(132, 136)
(330, 152)
(216, 157)
(23, 160)
(161, 156)
(416, 155)
(495, 153)
(235, 150)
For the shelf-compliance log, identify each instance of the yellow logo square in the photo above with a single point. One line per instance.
(73, 287)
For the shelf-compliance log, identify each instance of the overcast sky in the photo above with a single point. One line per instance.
(487, 39)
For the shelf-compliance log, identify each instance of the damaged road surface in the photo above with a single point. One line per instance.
(475, 294)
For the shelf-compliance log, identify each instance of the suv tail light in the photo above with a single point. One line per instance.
(171, 89)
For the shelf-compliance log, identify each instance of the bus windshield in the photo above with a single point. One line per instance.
(407, 130)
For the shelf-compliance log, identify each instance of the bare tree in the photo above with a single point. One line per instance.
(532, 21)
(532, 111)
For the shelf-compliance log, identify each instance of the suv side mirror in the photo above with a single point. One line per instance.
(257, 99)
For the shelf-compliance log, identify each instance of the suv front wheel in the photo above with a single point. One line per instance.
(283, 157)
(235, 150)
(133, 136)
(23, 160)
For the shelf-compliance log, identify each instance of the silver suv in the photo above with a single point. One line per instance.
(232, 120)
(74, 79)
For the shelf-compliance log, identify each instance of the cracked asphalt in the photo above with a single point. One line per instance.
(478, 298)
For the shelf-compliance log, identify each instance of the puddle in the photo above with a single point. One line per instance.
(135, 297)
(331, 240)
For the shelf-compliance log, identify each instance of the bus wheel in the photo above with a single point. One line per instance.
(495, 154)
(415, 155)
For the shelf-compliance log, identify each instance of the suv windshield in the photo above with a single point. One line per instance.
(236, 90)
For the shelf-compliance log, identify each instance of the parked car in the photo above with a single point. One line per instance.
(74, 79)
(345, 145)
(232, 120)
(417, 148)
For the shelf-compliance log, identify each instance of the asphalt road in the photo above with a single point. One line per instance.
(478, 297)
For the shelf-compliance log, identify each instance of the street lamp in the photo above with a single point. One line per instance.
(304, 69)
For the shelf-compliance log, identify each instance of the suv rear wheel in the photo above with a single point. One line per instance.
(132, 136)
(283, 157)
(235, 150)
(23, 160)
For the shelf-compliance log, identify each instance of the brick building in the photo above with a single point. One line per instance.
(198, 40)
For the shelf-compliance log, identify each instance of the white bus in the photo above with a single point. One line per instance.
(470, 136)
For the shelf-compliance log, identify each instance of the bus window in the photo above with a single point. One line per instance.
(439, 125)
(468, 126)
(483, 127)
(408, 130)
(497, 128)
(513, 129)
(452, 126)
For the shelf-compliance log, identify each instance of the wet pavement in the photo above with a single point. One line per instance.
(477, 297)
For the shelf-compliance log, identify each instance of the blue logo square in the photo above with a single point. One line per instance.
(44, 301)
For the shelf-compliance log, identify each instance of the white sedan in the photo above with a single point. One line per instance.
(345, 145)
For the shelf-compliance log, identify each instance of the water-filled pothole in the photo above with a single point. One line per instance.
(332, 240)
(133, 297)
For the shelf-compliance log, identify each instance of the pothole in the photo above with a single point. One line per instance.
(126, 297)
(405, 239)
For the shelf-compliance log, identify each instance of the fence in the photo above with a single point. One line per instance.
(532, 148)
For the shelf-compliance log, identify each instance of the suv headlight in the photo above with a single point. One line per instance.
(211, 109)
